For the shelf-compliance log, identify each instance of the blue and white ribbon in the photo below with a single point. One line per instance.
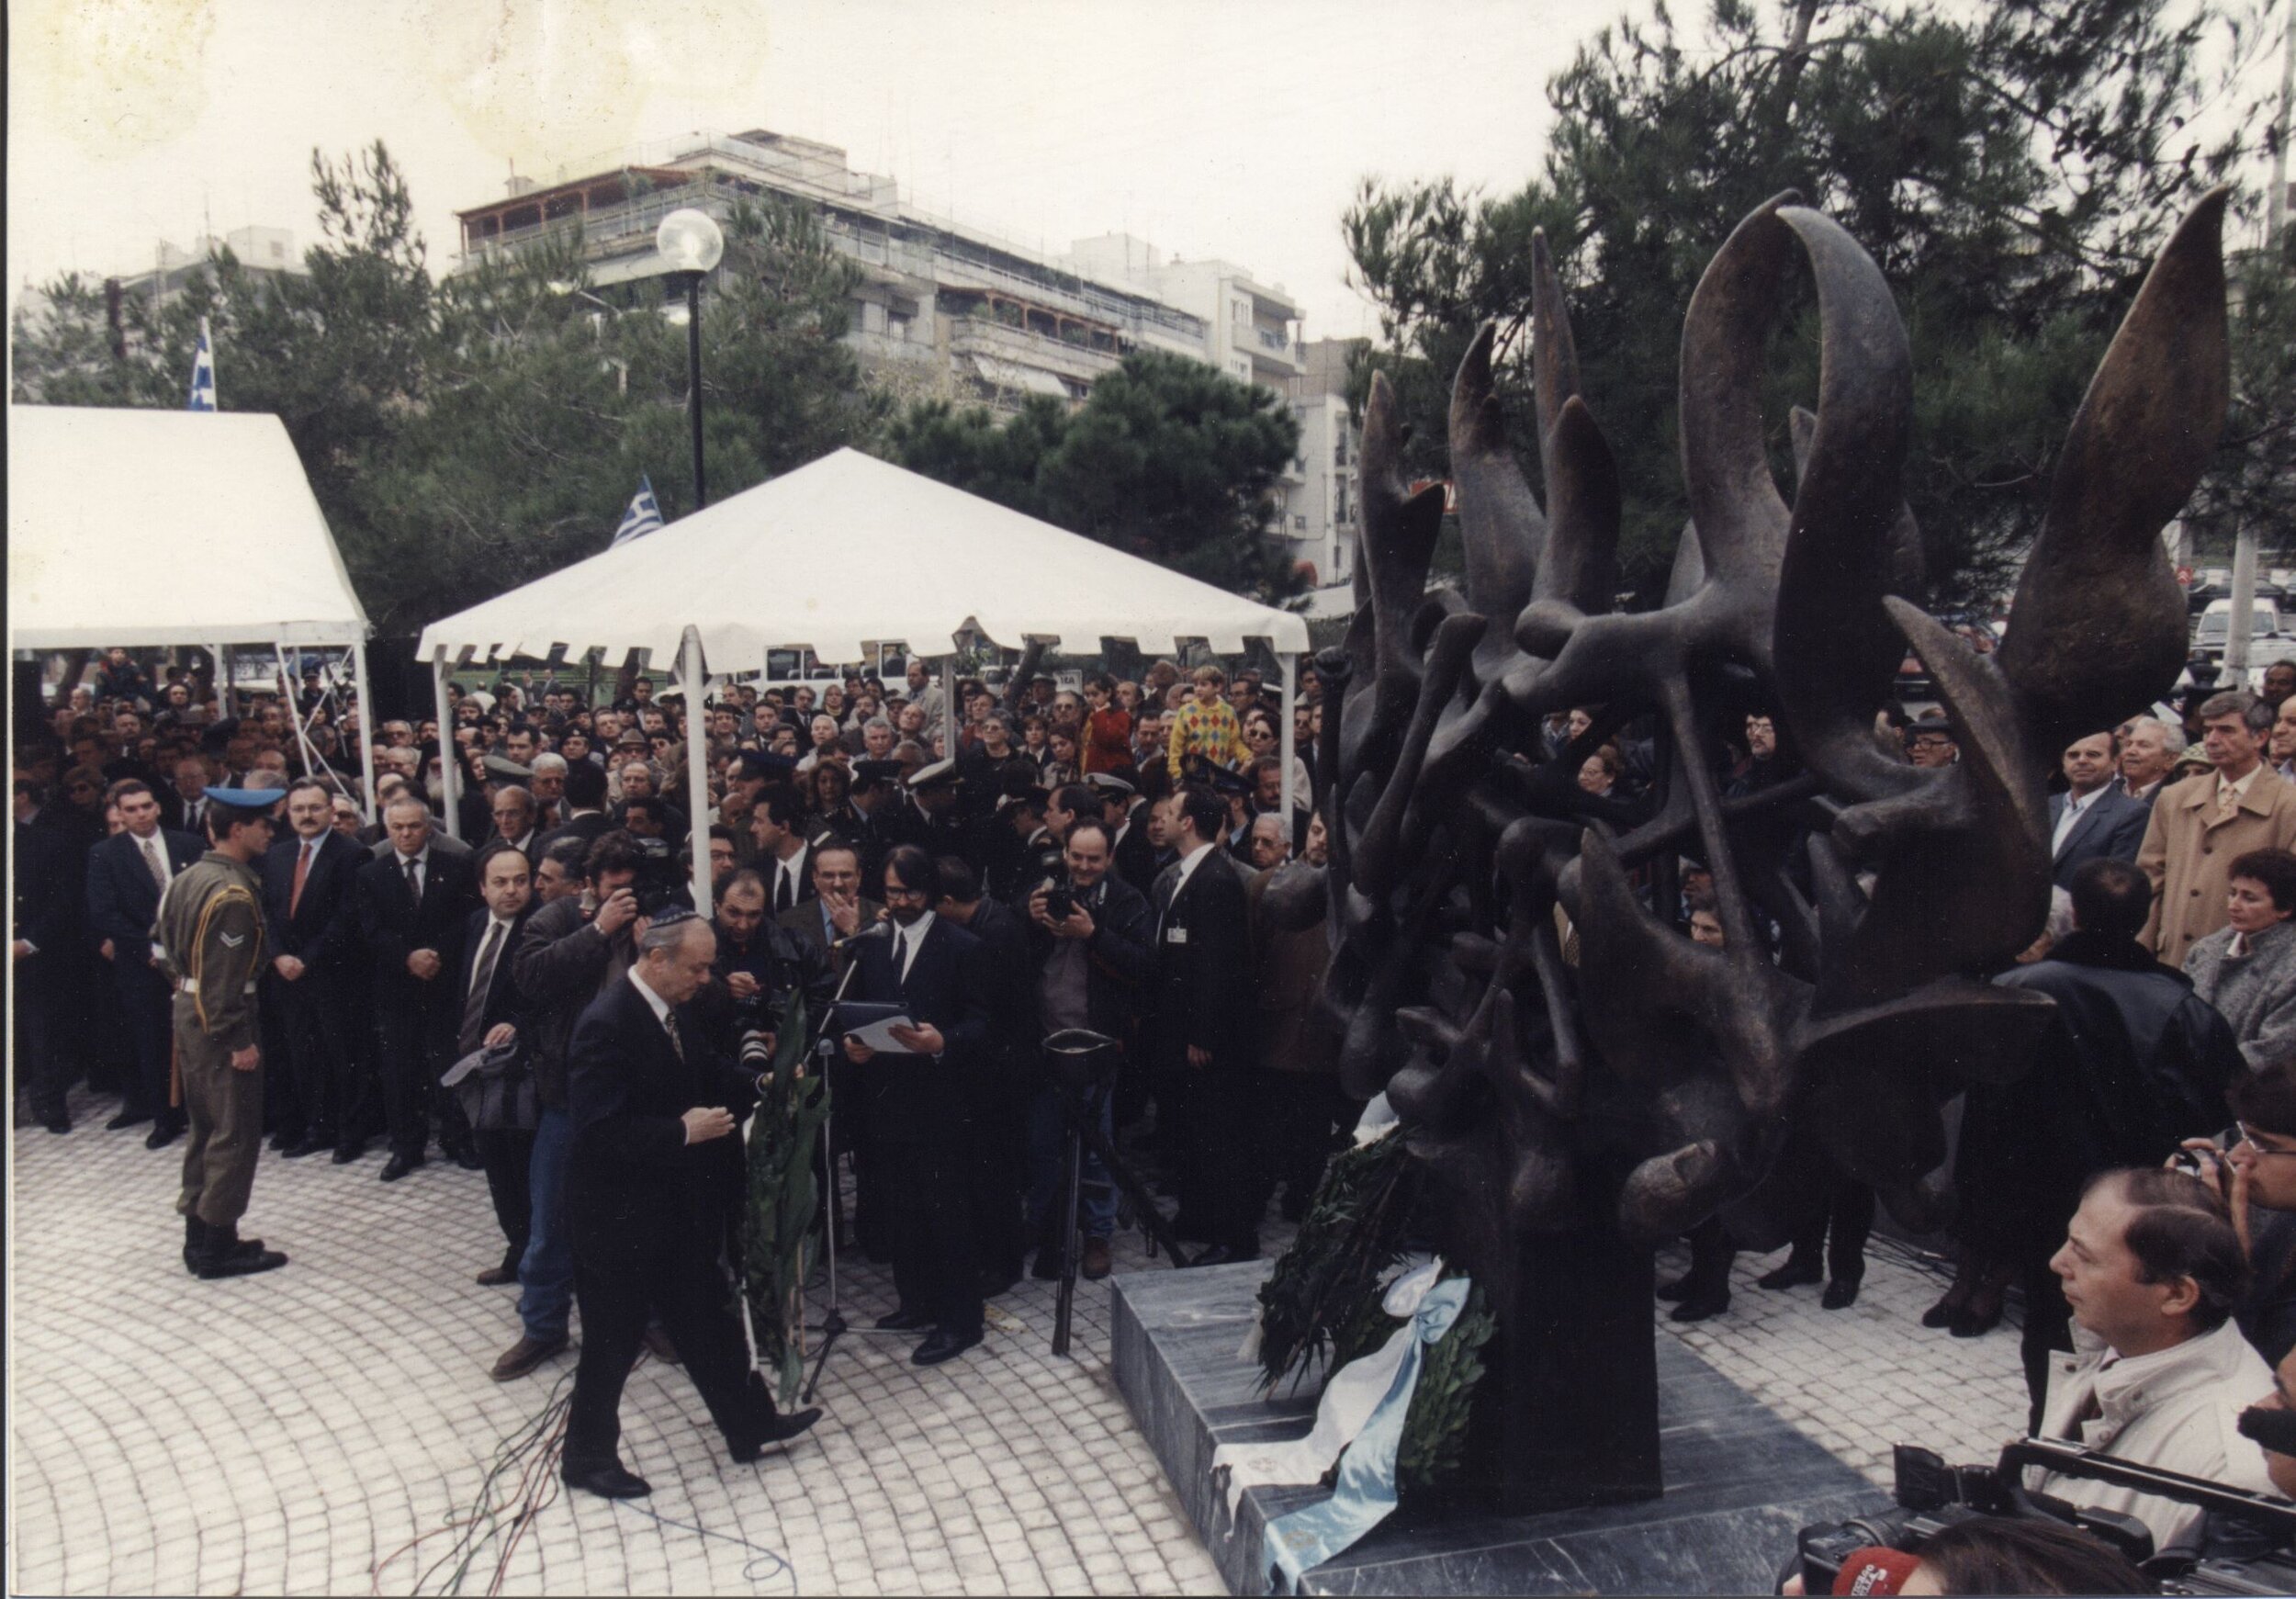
(1365, 1495)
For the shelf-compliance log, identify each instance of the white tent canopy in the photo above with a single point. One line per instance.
(172, 528)
(837, 554)
(849, 550)
(166, 527)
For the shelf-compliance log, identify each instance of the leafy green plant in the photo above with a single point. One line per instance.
(1352, 1233)
(776, 1239)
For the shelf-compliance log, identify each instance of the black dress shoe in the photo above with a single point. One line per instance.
(310, 1144)
(1840, 1293)
(496, 1276)
(903, 1321)
(943, 1345)
(1674, 1290)
(399, 1165)
(1699, 1307)
(611, 1481)
(1047, 1266)
(127, 1118)
(779, 1430)
(1793, 1274)
(1223, 1255)
(465, 1156)
(349, 1151)
(163, 1133)
(658, 1345)
(56, 1121)
(285, 1139)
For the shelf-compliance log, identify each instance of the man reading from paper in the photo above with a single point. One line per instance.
(918, 1103)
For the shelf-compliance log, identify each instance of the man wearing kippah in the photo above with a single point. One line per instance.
(210, 936)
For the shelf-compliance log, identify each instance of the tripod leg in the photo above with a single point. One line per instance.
(1072, 1200)
(1129, 1181)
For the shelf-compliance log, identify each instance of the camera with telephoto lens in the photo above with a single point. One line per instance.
(2251, 1545)
(660, 880)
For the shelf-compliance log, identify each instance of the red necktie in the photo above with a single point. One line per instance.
(303, 872)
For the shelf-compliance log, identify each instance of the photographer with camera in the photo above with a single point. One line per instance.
(759, 966)
(1091, 933)
(569, 951)
(2254, 1167)
(2152, 1271)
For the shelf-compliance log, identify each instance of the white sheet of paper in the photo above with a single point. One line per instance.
(878, 1035)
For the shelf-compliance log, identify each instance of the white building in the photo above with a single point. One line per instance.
(1323, 505)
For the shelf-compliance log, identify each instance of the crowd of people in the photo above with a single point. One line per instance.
(1039, 860)
(1004, 866)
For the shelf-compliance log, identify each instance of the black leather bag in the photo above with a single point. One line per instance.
(497, 1088)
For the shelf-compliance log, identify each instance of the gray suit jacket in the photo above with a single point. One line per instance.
(2111, 829)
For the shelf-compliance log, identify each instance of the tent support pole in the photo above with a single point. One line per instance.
(697, 766)
(1290, 664)
(367, 732)
(223, 695)
(948, 702)
(449, 755)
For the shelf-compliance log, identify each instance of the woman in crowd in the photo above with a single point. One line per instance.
(2248, 968)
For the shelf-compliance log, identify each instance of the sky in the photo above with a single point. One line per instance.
(1239, 131)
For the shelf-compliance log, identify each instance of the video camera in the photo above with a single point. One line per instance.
(661, 880)
(1932, 1496)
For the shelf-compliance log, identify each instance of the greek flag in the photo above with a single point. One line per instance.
(643, 517)
(203, 373)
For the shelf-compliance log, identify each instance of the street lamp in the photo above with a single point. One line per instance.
(691, 242)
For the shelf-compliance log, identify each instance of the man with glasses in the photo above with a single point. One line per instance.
(2254, 1167)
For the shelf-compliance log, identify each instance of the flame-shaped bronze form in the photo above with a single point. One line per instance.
(1570, 1118)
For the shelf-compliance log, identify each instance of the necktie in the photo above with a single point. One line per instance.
(784, 892)
(901, 956)
(2227, 800)
(677, 1045)
(302, 875)
(474, 1010)
(414, 884)
(152, 859)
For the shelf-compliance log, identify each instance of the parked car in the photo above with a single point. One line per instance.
(2265, 626)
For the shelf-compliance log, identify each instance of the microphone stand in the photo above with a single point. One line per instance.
(833, 1323)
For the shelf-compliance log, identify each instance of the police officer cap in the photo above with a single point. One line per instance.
(868, 772)
(243, 799)
(1035, 796)
(1108, 782)
(1220, 781)
(939, 774)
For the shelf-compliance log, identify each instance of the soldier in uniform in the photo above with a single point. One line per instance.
(210, 936)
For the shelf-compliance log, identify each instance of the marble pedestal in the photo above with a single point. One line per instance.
(1740, 1482)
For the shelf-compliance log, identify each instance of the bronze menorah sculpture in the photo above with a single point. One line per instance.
(1569, 1117)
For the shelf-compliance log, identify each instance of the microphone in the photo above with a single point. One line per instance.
(1875, 1569)
(876, 929)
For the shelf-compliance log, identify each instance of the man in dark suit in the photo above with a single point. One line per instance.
(1008, 1067)
(836, 908)
(654, 1181)
(1134, 858)
(126, 875)
(413, 903)
(491, 1013)
(918, 1103)
(1203, 1026)
(583, 805)
(311, 931)
(777, 822)
(2092, 819)
(46, 899)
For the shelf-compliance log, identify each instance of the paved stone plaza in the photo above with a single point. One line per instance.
(288, 1433)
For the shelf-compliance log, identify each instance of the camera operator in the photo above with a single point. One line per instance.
(759, 966)
(1090, 932)
(570, 953)
(2254, 1167)
(2152, 1269)
(1991, 1554)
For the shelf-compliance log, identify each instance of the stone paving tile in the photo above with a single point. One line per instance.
(1860, 1380)
(288, 1432)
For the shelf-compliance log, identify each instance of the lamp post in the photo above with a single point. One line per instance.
(690, 241)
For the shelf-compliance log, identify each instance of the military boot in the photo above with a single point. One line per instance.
(226, 1256)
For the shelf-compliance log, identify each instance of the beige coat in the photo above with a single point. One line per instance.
(2187, 853)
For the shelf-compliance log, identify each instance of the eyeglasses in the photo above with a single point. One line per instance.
(2249, 1139)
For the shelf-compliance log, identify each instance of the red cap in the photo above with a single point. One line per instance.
(1875, 1569)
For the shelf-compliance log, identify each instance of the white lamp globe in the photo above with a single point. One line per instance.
(690, 241)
